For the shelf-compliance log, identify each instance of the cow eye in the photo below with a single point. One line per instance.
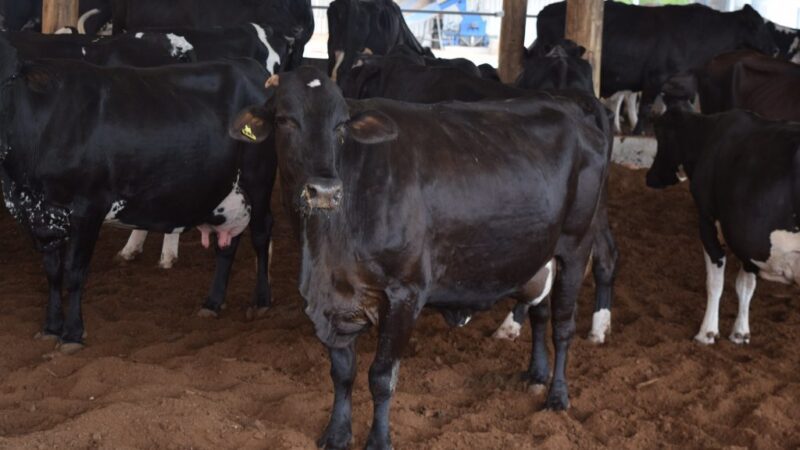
(284, 121)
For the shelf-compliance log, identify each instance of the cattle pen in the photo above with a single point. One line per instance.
(211, 126)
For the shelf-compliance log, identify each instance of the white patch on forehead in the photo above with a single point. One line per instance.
(138, 35)
(783, 264)
(314, 83)
(273, 59)
(180, 46)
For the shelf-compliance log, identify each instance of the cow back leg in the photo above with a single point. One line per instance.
(397, 315)
(715, 280)
(649, 93)
(134, 245)
(169, 250)
(338, 433)
(78, 255)
(512, 325)
(745, 287)
(538, 373)
(604, 270)
(54, 319)
(219, 286)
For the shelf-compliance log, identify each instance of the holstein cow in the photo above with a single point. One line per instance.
(358, 25)
(743, 172)
(749, 80)
(394, 78)
(395, 215)
(147, 148)
(644, 46)
(292, 19)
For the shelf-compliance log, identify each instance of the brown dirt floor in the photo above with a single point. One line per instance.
(156, 376)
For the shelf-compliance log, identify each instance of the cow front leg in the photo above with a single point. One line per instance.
(169, 250)
(54, 319)
(338, 434)
(219, 286)
(745, 287)
(134, 245)
(261, 233)
(76, 268)
(538, 373)
(396, 319)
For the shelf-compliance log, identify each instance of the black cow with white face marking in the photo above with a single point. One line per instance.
(394, 215)
(291, 19)
(355, 26)
(143, 148)
(644, 46)
(744, 173)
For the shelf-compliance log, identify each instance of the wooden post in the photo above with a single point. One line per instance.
(585, 26)
(58, 13)
(512, 39)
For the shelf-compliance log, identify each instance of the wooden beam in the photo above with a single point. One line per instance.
(585, 26)
(58, 14)
(512, 39)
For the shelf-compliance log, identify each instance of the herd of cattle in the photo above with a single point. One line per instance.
(410, 181)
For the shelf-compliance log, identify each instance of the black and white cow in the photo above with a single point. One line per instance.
(744, 173)
(644, 46)
(395, 215)
(146, 148)
(788, 42)
(292, 19)
(356, 26)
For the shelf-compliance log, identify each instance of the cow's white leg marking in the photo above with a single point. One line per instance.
(338, 58)
(169, 250)
(134, 245)
(745, 286)
(509, 329)
(715, 279)
(601, 325)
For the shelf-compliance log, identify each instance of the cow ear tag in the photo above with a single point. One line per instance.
(248, 133)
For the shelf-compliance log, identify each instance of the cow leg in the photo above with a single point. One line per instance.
(134, 245)
(538, 373)
(615, 104)
(512, 324)
(715, 280)
(396, 319)
(260, 233)
(649, 94)
(631, 108)
(169, 250)
(338, 433)
(745, 287)
(604, 269)
(76, 267)
(219, 286)
(54, 320)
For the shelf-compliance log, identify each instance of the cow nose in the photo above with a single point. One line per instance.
(323, 193)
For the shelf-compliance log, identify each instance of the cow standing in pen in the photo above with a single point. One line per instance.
(744, 173)
(499, 199)
(141, 148)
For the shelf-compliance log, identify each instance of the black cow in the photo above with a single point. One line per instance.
(355, 26)
(20, 15)
(743, 171)
(292, 19)
(788, 42)
(398, 215)
(144, 148)
(644, 46)
(749, 80)
(560, 66)
(395, 78)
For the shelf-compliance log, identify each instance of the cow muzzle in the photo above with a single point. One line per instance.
(322, 194)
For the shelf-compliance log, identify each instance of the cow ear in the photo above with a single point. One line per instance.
(372, 127)
(251, 125)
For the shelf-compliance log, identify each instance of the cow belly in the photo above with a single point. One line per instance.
(230, 219)
(783, 264)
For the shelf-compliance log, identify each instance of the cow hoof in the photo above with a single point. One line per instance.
(126, 257)
(207, 313)
(167, 263)
(335, 441)
(740, 339)
(557, 401)
(537, 389)
(256, 313)
(706, 338)
(45, 336)
(69, 348)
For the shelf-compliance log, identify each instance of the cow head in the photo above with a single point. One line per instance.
(673, 160)
(754, 32)
(312, 125)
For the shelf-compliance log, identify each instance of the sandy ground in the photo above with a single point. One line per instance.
(156, 376)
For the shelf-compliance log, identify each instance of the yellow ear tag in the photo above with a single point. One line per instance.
(248, 133)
